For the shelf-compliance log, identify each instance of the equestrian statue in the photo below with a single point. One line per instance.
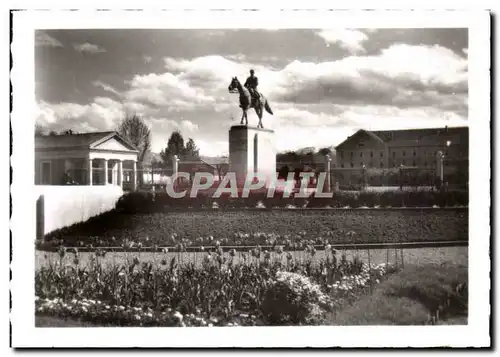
(250, 97)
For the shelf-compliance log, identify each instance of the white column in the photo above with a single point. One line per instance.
(328, 172)
(175, 167)
(89, 171)
(135, 176)
(175, 164)
(439, 166)
(105, 172)
(120, 173)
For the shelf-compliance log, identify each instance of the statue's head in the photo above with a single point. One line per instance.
(252, 72)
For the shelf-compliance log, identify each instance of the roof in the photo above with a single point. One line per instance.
(212, 161)
(414, 137)
(84, 140)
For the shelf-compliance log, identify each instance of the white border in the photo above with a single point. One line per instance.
(22, 317)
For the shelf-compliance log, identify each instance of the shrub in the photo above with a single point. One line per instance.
(291, 298)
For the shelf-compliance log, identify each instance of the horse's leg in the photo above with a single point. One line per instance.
(259, 114)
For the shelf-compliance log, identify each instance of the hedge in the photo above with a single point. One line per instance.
(144, 202)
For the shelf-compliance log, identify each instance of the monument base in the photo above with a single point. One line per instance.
(252, 151)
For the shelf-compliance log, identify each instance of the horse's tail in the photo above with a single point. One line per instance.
(268, 108)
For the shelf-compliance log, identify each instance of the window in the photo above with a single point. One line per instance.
(414, 153)
(381, 164)
(361, 145)
(414, 163)
(404, 162)
(371, 153)
(393, 154)
(381, 154)
(404, 153)
(342, 165)
(341, 154)
(425, 163)
(352, 153)
(352, 165)
(360, 154)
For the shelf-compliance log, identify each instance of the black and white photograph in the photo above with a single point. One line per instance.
(324, 175)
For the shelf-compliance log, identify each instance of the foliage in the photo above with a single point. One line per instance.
(176, 146)
(352, 199)
(134, 129)
(221, 292)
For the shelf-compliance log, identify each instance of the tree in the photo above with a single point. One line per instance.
(175, 146)
(133, 129)
(191, 151)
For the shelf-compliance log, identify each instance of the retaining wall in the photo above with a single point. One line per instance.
(62, 206)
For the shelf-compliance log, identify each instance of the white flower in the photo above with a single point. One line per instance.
(178, 316)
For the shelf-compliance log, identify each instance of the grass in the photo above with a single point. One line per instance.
(370, 226)
(411, 297)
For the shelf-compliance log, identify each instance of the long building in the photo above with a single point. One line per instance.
(393, 148)
(411, 148)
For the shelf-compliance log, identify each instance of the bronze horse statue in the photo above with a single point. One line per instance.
(246, 102)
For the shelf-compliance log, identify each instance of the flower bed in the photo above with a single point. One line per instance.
(241, 228)
(259, 291)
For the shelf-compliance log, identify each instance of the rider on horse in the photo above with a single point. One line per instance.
(251, 84)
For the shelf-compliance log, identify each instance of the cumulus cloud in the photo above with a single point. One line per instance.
(88, 48)
(165, 90)
(102, 114)
(45, 40)
(349, 39)
(401, 75)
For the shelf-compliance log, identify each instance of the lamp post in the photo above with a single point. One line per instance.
(364, 176)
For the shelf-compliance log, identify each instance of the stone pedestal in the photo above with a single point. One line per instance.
(252, 150)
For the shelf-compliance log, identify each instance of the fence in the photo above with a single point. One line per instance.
(452, 171)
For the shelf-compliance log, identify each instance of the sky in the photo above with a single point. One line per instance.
(322, 84)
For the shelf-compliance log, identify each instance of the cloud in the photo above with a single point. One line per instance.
(165, 90)
(188, 125)
(88, 48)
(402, 75)
(42, 39)
(212, 147)
(106, 87)
(102, 114)
(348, 39)
(147, 59)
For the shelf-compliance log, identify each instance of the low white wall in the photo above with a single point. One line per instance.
(62, 206)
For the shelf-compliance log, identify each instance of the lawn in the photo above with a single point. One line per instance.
(417, 295)
(241, 227)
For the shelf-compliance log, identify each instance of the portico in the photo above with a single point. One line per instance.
(86, 159)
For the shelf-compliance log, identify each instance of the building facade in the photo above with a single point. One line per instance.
(412, 148)
(98, 158)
